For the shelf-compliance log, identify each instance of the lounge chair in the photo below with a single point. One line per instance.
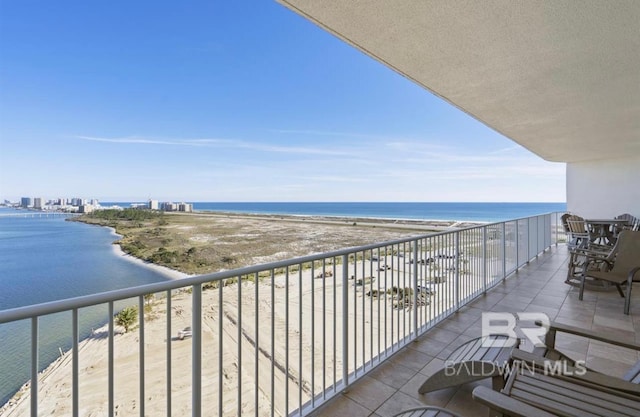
(625, 267)
(530, 391)
(549, 351)
(479, 358)
(470, 362)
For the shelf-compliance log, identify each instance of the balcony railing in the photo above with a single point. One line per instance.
(280, 338)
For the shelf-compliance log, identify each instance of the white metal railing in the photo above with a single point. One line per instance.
(283, 338)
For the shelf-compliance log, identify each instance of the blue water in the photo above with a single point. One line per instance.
(45, 259)
(484, 212)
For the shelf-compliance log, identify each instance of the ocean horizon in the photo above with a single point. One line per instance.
(453, 211)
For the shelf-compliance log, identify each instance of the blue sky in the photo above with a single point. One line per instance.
(230, 101)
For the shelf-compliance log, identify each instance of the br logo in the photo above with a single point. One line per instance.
(504, 324)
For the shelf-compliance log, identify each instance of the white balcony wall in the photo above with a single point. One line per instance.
(604, 188)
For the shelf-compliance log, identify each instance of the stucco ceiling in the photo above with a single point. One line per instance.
(561, 78)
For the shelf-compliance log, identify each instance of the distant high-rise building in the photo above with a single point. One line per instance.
(85, 208)
(26, 202)
(153, 205)
(37, 203)
(186, 207)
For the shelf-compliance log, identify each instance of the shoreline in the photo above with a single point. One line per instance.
(163, 270)
(420, 226)
(53, 382)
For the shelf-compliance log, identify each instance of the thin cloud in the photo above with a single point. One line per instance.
(506, 150)
(152, 141)
(328, 133)
(226, 143)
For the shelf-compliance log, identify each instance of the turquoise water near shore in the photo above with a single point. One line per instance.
(44, 259)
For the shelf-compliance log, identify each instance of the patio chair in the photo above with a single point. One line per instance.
(477, 359)
(593, 256)
(470, 362)
(625, 267)
(550, 352)
(531, 391)
(563, 220)
(633, 223)
(578, 233)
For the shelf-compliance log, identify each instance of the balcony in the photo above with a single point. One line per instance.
(353, 332)
(537, 287)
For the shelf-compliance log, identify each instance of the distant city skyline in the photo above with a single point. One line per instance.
(231, 102)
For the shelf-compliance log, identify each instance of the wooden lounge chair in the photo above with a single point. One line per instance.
(531, 392)
(625, 267)
(470, 362)
(550, 352)
(480, 358)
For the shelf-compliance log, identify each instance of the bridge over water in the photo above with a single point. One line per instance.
(42, 214)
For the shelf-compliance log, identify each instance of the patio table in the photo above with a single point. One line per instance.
(600, 230)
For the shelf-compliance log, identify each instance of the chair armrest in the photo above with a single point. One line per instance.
(565, 328)
(632, 274)
(505, 404)
(591, 252)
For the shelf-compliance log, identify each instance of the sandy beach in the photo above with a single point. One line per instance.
(301, 312)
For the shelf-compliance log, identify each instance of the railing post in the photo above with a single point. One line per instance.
(34, 366)
(345, 321)
(141, 354)
(457, 266)
(196, 351)
(528, 239)
(504, 251)
(415, 289)
(75, 364)
(517, 245)
(484, 259)
(169, 377)
(111, 362)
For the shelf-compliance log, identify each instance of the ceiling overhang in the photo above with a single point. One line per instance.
(561, 78)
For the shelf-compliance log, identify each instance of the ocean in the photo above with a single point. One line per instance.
(479, 212)
(44, 259)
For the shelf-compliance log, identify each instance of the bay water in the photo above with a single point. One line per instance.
(45, 259)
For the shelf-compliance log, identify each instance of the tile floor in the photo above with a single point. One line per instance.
(538, 287)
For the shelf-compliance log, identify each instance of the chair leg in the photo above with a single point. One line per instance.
(621, 292)
(582, 279)
(627, 299)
